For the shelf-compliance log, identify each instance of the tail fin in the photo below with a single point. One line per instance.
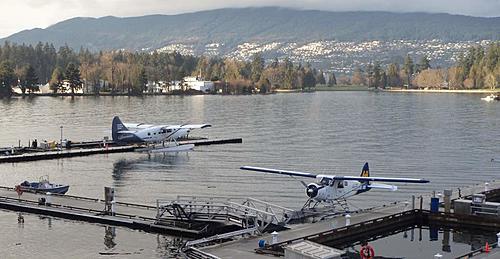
(366, 171)
(116, 126)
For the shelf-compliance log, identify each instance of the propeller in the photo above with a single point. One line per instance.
(312, 190)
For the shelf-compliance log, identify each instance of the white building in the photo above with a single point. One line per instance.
(192, 82)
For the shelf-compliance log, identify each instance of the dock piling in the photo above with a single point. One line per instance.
(347, 220)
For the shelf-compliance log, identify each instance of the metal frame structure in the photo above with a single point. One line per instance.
(246, 212)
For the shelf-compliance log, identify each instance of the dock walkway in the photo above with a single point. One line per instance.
(86, 151)
(135, 216)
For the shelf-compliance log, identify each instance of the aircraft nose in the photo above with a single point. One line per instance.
(312, 191)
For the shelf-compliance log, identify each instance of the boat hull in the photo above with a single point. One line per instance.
(57, 189)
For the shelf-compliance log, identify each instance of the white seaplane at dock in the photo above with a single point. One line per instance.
(334, 189)
(158, 138)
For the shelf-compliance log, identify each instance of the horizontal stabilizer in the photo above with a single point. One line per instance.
(383, 186)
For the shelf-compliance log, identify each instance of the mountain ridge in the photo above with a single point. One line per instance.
(233, 26)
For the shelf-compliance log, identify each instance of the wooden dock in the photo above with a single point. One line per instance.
(89, 149)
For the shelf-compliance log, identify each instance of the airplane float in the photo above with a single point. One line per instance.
(139, 133)
(333, 189)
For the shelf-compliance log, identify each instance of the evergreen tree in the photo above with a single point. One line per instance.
(72, 75)
(143, 80)
(377, 75)
(309, 80)
(423, 64)
(332, 80)
(7, 79)
(30, 79)
(256, 67)
(408, 69)
(369, 74)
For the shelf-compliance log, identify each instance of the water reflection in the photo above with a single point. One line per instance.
(169, 246)
(109, 237)
(453, 243)
(20, 220)
(169, 160)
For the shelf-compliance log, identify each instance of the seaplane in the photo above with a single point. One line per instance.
(166, 135)
(333, 189)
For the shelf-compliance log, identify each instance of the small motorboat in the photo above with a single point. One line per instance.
(43, 186)
(490, 98)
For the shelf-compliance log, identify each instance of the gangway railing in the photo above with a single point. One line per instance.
(222, 236)
(248, 212)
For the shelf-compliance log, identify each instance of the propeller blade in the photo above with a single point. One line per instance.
(303, 183)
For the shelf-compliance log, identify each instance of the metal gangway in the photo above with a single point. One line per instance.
(246, 212)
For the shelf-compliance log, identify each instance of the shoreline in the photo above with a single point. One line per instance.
(276, 91)
(456, 91)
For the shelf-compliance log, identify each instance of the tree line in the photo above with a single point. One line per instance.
(123, 72)
(475, 69)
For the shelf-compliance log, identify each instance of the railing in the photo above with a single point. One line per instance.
(247, 211)
(362, 225)
(222, 236)
(192, 252)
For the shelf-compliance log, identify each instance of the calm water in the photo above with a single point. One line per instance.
(446, 138)
(420, 243)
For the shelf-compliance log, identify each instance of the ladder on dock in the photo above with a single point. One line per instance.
(245, 212)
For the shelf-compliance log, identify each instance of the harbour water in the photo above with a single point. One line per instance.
(449, 139)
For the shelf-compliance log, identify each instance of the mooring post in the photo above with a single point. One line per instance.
(421, 202)
(113, 207)
(413, 202)
(275, 238)
(486, 184)
(447, 201)
(347, 220)
(48, 199)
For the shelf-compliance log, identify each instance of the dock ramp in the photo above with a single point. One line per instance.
(244, 212)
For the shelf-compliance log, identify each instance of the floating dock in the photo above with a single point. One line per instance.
(130, 215)
(94, 148)
(372, 223)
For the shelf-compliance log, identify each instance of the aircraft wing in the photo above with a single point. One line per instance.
(276, 171)
(137, 126)
(126, 132)
(193, 126)
(381, 179)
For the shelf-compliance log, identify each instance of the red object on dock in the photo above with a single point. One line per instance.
(487, 248)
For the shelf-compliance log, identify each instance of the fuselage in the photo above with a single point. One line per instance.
(329, 190)
(153, 134)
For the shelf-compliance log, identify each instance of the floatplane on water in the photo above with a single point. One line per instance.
(333, 189)
(165, 135)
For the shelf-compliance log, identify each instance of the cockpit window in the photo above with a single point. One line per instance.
(325, 181)
(340, 184)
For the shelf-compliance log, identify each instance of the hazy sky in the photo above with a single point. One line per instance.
(19, 15)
